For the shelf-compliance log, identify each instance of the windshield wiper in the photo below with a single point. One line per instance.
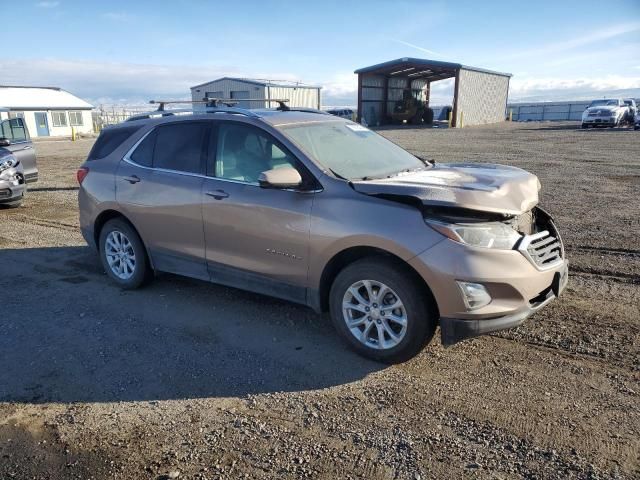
(336, 174)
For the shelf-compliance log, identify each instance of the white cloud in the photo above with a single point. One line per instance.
(573, 88)
(47, 4)
(594, 36)
(422, 49)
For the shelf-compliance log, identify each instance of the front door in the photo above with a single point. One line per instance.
(158, 187)
(256, 238)
(42, 126)
(15, 130)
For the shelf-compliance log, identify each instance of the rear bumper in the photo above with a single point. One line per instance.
(454, 330)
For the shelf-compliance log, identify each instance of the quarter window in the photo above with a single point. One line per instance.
(75, 119)
(244, 152)
(143, 154)
(59, 119)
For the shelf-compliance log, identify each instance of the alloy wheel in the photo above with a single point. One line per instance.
(120, 255)
(374, 314)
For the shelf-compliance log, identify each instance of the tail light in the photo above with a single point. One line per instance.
(81, 174)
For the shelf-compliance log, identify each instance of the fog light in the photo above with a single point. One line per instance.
(475, 295)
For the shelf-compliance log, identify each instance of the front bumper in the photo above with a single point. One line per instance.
(601, 120)
(517, 284)
(454, 330)
(12, 186)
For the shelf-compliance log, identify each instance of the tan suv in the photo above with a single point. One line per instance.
(321, 211)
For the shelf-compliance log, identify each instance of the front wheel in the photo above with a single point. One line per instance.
(123, 255)
(584, 125)
(381, 311)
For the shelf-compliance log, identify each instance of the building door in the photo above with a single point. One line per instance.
(241, 94)
(42, 126)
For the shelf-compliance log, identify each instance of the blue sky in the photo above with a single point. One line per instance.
(127, 52)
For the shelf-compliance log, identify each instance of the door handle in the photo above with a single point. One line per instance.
(28, 147)
(132, 179)
(218, 194)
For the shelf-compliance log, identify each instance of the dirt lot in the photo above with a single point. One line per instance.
(211, 382)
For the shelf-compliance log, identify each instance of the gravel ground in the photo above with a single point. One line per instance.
(186, 379)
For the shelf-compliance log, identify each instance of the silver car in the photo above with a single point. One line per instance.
(17, 161)
(322, 211)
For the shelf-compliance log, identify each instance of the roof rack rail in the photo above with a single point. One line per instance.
(212, 102)
(217, 105)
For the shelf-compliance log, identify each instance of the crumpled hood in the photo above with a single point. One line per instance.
(604, 108)
(476, 186)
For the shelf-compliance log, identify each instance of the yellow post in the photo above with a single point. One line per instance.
(511, 114)
(461, 119)
(73, 134)
(449, 118)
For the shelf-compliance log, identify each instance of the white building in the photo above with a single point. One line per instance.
(298, 94)
(47, 111)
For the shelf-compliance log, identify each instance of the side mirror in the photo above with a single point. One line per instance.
(4, 142)
(284, 177)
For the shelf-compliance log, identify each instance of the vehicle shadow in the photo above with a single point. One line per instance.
(67, 334)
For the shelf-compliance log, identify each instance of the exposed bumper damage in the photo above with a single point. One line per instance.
(12, 180)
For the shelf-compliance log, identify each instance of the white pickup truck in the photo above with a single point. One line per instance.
(608, 113)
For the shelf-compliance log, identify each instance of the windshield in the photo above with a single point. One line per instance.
(351, 150)
(599, 103)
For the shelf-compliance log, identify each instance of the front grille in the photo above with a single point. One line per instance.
(543, 249)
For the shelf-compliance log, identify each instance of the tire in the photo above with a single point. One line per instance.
(132, 249)
(584, 125)
(419, 310)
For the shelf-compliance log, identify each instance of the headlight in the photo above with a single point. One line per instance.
(488, 235)
(7, 162)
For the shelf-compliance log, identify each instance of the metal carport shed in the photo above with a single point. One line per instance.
(480, 96)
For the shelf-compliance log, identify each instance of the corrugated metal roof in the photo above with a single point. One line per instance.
(397, 66)
(45, 98)
(262, 82)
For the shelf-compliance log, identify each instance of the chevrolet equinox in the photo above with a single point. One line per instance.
(316, 209)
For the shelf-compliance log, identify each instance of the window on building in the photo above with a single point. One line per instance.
(75, 119)
(59, 119)
(16, 114)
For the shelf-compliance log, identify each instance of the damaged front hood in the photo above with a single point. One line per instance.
(475, 186)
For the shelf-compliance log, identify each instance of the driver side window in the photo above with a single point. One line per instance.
(14, 130)
(243, 152)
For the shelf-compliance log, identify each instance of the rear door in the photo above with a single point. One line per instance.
(256, 238)
(15, 130)
(158, 187)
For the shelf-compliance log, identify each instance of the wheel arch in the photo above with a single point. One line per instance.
(110, 214)
(352, 254)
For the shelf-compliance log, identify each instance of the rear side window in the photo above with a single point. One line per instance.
(179, 147)
(109, 140)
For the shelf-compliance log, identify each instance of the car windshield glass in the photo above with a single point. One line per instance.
(352, 151)
(599, 103)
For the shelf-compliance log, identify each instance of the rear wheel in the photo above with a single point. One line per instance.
(381, 311)
(123, 255)
(584, 125)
